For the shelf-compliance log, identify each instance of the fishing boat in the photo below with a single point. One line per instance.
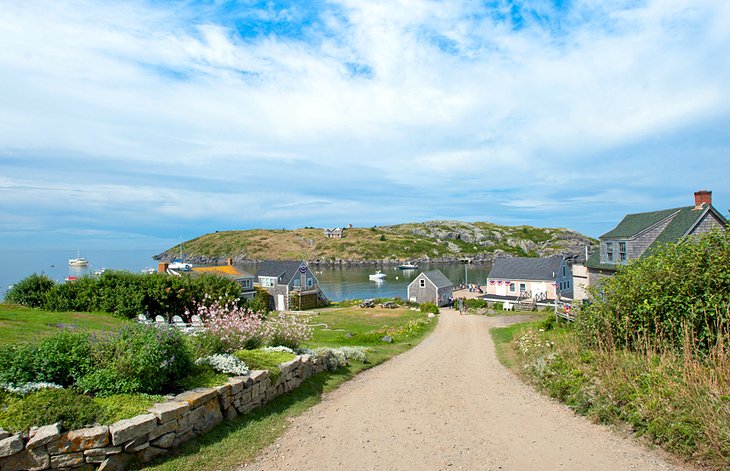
(408, 266)
(377, 276)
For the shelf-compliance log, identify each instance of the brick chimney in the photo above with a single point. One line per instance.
(702, 198)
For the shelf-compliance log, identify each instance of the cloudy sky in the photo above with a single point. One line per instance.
(134, 124)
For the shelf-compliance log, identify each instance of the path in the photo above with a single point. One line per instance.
(449, 404)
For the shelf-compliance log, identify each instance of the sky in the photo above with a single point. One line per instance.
(143, 123)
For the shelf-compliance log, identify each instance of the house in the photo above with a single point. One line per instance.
(244, 279)
(431, 287)
(291, 284)
(335, 233)
(639, 234)
(539, 279)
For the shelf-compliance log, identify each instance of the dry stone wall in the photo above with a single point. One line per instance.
(147, 436)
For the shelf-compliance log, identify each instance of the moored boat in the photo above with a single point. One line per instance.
(378, 275)
(408, 266)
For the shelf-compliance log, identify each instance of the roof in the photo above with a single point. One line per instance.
(594, 261)
(285, 270)
(524, 268)
(226, 270)
(437, 278)
(633, 224)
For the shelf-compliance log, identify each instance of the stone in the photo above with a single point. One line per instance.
(238, 383)
(231, 413)
(116, 462)
(129, 429)
(223, 390)
(387, 339)
(150, 453)
(109, 450)
(163, 429)
(67, 460)
(11, 445)
(43, 435)
(197, 397)
(258, 375)
(81, 439)
(180, 439)
(30, 460)
(4, 434)
(164, 441)
(289, 366)
(210, 417)
(171, 410)
(137, 444)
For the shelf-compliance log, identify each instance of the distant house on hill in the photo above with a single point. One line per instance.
(431, 287)
(335, 233)
(291, 284)
(539, 279)
(637, 235)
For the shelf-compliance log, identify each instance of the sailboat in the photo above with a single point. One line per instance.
(179, 263)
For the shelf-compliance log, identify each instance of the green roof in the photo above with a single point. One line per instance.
(633, 224)
(594, 261)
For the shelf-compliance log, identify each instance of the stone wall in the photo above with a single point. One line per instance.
(146, 436)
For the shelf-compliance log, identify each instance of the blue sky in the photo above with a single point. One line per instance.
(135, 124)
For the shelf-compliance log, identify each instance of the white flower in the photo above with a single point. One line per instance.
(224, 363)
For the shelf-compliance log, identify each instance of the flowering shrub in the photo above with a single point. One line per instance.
(224, 363)
(334, 358)
(354, 353)
(279, 348)
(286, 330)
(238, 328)
(26, 388)
(531, 343)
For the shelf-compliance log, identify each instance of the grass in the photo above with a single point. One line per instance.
(236, 442)
(21, 324)
(679, 401)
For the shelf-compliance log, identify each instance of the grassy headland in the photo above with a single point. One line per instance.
(434, 240)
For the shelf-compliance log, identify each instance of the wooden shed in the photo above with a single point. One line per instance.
(431, 287)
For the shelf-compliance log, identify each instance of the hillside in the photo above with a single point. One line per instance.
(436, 241)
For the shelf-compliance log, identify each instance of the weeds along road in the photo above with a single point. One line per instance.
(449, 404)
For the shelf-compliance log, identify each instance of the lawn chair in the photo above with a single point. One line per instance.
(196, 322)
(178, 322)
(142, 319)
(159, 320)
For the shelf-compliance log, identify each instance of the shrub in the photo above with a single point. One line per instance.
(286, 330)
(205, 343)
(236, 327)
(124, 406)
(60, 359)
(498, 306)
(49, 406)
(476, 303)
(429, 307)
(140, 358)
(265, 360)
(31, 291)
(680, 292)
(225, 363)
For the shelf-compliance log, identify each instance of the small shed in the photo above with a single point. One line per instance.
(431, 287)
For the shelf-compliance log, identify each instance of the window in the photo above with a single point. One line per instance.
(297, 282)
(622, 251)
(267, 282)
(423, 283)
(609, 251)
(511, 287)
(523, 287)
(563, 270)
(310, 282)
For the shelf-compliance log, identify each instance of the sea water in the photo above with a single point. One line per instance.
(337, 283)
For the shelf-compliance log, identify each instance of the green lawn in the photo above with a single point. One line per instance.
(21, 324)
(236, 442)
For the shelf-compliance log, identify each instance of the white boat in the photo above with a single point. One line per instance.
(180, 265)
(408, 266)
(378, 275)
(79, 261)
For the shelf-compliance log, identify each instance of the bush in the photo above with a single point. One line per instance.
(498, 306)
(429, 307)
(679, 293)
(205, 343)
(140, 358)
(476, 303)
(61, 359)
(31, 291)
(265, 360)
(49, 406)
(286, 331)
(235, 327)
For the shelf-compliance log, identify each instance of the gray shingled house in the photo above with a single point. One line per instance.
(539, 279)
(431, 287)
(638, 234)
(291, 284)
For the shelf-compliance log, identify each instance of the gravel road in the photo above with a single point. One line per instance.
(449, 404)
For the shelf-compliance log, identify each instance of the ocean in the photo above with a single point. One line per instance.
(338, 283)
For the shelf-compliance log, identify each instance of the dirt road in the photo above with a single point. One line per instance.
(449, 404)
